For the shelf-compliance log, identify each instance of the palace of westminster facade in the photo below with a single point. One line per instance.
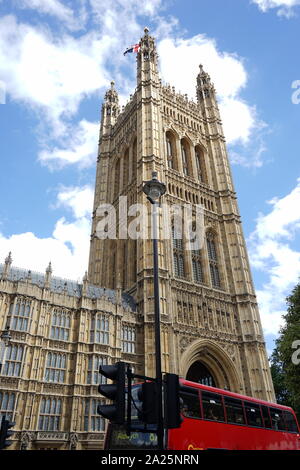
(210, 326)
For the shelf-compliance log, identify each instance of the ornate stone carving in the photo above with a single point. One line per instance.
(26, 438)
(52, 436)
(11, 381)
(73, 441)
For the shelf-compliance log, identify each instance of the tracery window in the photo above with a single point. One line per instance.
(50, 414)
(93, 376)
(178, 255)
(55, 367)
(60, 326)
(185, 158)
(128, 339)
(197, 266)
(117, 178)
(213, 261)
(13, 361)
(126, 169)
(92, 420)
(134, 158)
(19, 314)
(200, 165)
(7, 405)
(171, 151)
(99, 332)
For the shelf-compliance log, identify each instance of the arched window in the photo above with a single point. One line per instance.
(134, 158)
(200, 165)
(93, 375)
(13, 360)
(128, 339)
(199, 373)
(60, 326)
(186, 160)
(7, 405)
(55, 368)
(117, 178)
(125, 168)
(196, 258)
(50, 414)
(92, 420)
(99, 332)
(197, 266)
(178, 255)
(19, 314)
(171, 151)
(213, 260)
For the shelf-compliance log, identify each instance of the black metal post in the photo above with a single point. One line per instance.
(160, 427)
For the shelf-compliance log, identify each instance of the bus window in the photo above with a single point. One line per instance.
(234, 411)
(212, 406)
(277, 419)
(266, 416)
(290, 422)
(190, 405)
(253, 415)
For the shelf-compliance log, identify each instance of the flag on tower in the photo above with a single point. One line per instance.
(134, 48)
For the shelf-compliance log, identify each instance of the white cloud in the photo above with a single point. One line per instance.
(227, 72)
(238, 119)
(49, 73)
(285, 7)
(79, 200)
(271, 252)
(78, 145)
(284, 217)
(68, 246)
(50, 7)
(53, 73)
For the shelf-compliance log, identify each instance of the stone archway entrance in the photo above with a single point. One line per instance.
(199, 373)
(206, 362)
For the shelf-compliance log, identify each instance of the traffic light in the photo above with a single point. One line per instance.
(5, 433)
(147, 395)
(172, 403)
(114, 391)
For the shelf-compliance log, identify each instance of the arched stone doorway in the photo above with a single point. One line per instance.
(199, 373)
(205, 360)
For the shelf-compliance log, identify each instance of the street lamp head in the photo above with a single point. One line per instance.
(154, 189)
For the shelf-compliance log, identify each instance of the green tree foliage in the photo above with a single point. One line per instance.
(285, 360)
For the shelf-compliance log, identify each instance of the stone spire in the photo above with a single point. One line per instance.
(110, 109)
(206, 95)
(204, 85)
(147, 59)
(85, 281)
(48, 275)
(7, 266)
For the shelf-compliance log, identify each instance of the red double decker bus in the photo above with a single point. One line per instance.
(216, 419)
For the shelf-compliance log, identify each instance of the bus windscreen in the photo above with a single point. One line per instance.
(118, 439)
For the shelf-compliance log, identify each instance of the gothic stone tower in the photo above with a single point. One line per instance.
(210, 325)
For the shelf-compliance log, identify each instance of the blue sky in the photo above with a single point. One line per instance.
(58, 57)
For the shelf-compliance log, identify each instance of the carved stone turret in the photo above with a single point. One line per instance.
(206, 95)
(147, 59)
(48, 275)
(7, 266)
(110, 109)
(85, 284)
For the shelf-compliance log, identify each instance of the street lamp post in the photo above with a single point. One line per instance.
(154, 189)
(5, 338)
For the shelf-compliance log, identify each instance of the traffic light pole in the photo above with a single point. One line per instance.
(160, 424)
